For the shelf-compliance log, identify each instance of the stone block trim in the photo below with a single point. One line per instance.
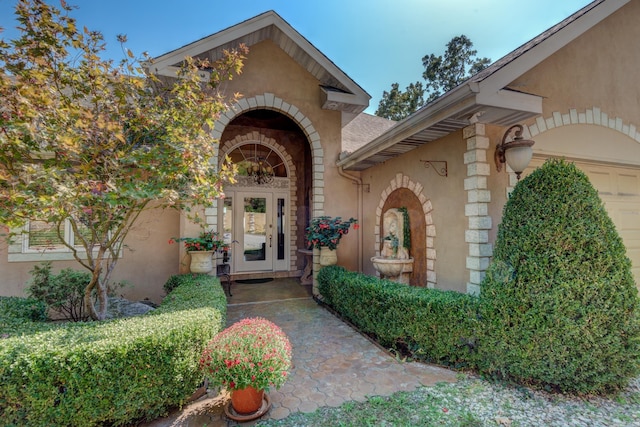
(591, 116)
(477, 206)
(269, 101)
(404, 181)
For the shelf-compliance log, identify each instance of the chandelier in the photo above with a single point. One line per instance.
(260, 170)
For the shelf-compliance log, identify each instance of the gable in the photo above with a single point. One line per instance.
(337, 90)
(599, 68)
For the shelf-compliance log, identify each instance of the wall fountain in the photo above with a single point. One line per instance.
(394, 262)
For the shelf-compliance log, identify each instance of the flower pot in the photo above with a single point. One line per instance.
(328, 256)
(246, 400)
(201, 261)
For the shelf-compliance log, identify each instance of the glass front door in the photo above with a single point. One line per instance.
(257, 225)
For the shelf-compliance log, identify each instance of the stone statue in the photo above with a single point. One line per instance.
(393, 234)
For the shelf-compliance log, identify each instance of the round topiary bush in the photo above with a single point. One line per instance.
(559, 306)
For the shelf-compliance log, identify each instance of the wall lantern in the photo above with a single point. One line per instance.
(516, 153)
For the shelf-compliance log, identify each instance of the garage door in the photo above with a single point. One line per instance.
(619, 189)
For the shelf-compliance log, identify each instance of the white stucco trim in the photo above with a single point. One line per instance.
(404, 181)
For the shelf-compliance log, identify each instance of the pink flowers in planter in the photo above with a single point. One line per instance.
(252, 352)
(327, 231)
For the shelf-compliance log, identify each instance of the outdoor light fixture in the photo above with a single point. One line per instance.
(516, 153)
(261, 171)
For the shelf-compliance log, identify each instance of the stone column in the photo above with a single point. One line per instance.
(477, 206)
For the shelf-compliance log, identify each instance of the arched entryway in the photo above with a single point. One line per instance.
(273, 193)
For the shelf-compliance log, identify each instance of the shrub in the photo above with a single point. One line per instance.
(559, 305)
(433, 325)
(21, 309)
(114, 372)
(62, 293)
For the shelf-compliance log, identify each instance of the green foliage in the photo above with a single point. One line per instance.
(206, 241)
(406, 228)
(433, 325)
(115, 372)
(22, 309)
(396, 104)
(441, 74)
(328, 231)
(559, 305)
(93, 143)
(62, 293)
(193, 291)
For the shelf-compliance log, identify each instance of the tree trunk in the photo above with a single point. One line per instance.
(99, 312)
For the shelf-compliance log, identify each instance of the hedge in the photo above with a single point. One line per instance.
(433, 325)
(114, 372)
(559, 305)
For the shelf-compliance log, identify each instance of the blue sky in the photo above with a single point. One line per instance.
(376, 42)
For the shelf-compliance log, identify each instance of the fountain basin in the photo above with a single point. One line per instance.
(398, 270)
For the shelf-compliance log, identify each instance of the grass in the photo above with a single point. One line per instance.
(427, 406)
(472, 402)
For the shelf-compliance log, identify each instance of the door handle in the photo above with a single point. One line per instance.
(270, 237)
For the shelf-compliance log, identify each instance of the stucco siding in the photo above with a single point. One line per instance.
(447, 197)
(598, 68)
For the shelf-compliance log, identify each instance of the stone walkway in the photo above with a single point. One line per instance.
(332, 362)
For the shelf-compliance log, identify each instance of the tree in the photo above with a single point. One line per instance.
(94, 143)
(559, 307)
(396, 104)
(442, 73)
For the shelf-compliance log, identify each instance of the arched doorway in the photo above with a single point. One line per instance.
(256, 210)
(271, 197)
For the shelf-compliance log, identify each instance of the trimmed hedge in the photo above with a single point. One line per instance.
(433, 325)
(115, 372)
(559, 304)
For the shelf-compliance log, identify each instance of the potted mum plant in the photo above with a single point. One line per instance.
(201, 249)
(325, 232)
(247, 359)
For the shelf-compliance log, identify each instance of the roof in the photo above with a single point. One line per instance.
(484, 95)
(362, 129)
(338, 91)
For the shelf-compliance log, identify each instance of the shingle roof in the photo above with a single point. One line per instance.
(362, 129)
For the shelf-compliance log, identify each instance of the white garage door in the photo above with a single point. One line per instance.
(619, 189)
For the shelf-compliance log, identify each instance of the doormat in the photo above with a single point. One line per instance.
(254, 281)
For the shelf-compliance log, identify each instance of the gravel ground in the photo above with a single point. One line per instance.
(496, 404)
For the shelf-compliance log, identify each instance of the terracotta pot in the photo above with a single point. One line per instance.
(328, 256)
(247, 400)
(201, 261)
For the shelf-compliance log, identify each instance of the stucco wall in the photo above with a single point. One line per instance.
(447, 197)
(598, 69)
(147, 262)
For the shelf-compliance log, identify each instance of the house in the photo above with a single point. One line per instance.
(306, 148)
